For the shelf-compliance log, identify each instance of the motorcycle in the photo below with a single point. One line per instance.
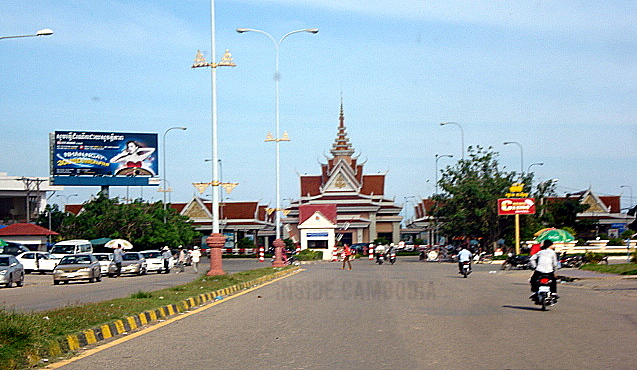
(380, 258)
(544, 297)
(575, 261)
(466, 268)
(517, 261)
(392, 258)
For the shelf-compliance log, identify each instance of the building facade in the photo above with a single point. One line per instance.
(346, 201)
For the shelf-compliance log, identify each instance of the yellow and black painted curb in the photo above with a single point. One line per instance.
(76, 341)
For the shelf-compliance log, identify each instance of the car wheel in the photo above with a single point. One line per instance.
(10, 282)
(21, 281)
(110, 275)
(56, 282)
(27, 271)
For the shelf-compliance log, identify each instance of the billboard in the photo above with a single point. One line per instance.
(104, 158)
(516, 206)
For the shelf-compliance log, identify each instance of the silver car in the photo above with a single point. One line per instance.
(77, 267)
(133, 263)
(11, 271)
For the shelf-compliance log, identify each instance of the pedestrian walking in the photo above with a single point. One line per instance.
(166, 256)
(347, 252)
(181, 259)
(118, 258)
(195, 255)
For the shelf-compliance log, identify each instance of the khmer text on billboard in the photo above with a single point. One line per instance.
(81, 153)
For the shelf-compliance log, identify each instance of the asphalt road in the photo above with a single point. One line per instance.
(412, 315)
(39, 293)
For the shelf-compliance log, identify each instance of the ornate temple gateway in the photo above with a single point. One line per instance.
(342, 204)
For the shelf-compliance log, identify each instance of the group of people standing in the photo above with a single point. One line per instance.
(183, 255)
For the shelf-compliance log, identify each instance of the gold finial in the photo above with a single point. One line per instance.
(285, 137)
(226, 60)
(269, 137)
(229, 186)
(200, 60)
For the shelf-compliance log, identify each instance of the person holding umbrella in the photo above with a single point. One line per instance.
(118, 258)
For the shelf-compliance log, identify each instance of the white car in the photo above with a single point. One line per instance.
(154, 261)
(35, 261)
(104, 260)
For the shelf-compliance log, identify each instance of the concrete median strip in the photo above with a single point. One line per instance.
(79, 340)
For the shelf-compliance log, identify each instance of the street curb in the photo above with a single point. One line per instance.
(76, 341)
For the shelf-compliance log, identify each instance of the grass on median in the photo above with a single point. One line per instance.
(621, 269)
(24, 338)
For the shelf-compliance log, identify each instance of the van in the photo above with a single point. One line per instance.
(69, 247)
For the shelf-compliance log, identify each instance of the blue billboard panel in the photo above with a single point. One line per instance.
(104, 154)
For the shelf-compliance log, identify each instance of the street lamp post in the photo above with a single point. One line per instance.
(461, 134)
(521, 155)
(164, 164)
(435, 234)
(66, 198)
(528, 170)
(278, 243)
(43, 32)
(216, 240)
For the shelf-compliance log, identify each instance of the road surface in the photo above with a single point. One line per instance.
(412, 315)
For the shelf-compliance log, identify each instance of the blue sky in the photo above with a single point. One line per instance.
(560, 78)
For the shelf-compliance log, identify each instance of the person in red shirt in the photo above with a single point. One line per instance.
(347, 252)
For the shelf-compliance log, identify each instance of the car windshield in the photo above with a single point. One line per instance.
(63, 249)
(75, 260)
(102, 257)
(4, 261)
(151, 254)
(130, 256)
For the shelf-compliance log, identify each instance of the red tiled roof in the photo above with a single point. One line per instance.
(310, 185)
(25, 229)
(612, 202)
(373, 184)
(73, 208)
(307, 210)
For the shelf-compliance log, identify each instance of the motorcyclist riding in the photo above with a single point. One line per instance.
(464, 256)
(544, 262)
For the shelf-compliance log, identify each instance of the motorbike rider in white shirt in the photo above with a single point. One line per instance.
(544, 262)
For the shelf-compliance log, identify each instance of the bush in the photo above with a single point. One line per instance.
(633, 257)
(309, 255)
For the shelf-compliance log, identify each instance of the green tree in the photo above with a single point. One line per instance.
(467, 205)
(138, 222)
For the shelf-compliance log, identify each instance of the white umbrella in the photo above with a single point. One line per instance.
(115, 242)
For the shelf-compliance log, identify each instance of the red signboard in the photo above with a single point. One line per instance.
(516, 206)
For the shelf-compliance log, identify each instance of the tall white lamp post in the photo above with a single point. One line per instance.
(216, 240)
(461, 134)
(521, 155)
(43, 32)
(438, 156)
(164, 163)
(278, 243)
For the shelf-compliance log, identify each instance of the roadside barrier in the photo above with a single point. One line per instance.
(371, 253)
(261, 254)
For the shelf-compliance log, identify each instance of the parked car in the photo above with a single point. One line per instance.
(11, 271)
(133, 263)
(77, 267)
(13, 248)
(68, 247)
(155, 262)
(37, 261)
(105, 260)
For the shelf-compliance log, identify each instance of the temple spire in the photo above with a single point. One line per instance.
(341, 146)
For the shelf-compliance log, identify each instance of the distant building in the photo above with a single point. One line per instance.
(342, 203)
(31, 236)
(22, 198)
(605, 211)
